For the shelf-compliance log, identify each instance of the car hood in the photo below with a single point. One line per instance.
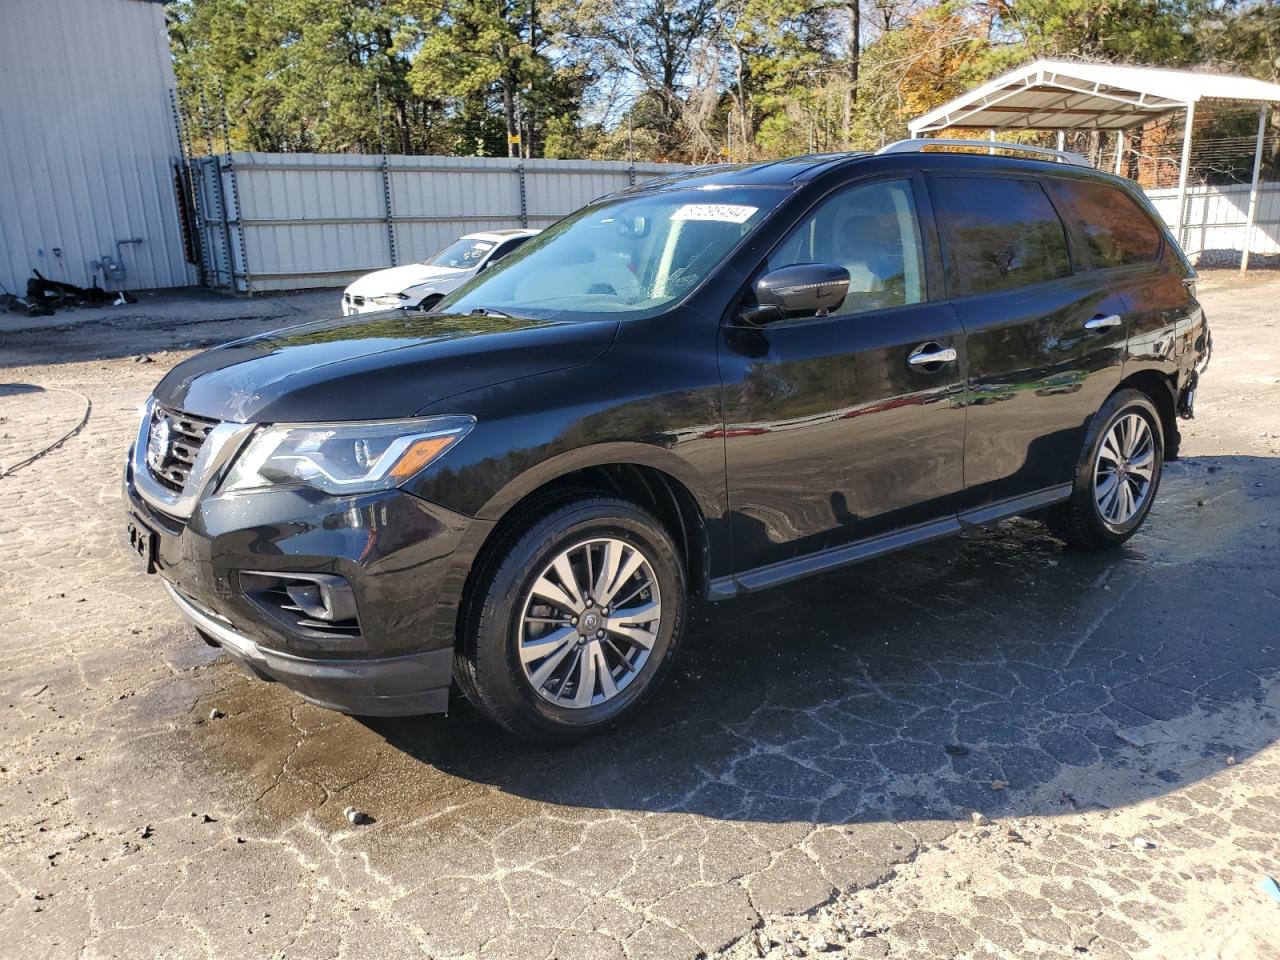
(373, 366)
(395, 279)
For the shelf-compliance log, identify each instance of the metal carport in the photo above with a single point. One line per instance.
(1063, 95)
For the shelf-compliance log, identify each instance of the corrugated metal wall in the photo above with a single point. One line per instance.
(316, 220)
(1216, 218)
(87, 142)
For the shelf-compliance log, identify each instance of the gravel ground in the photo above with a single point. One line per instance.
(806, 783)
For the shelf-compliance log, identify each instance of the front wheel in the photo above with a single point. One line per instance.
(1116, 477)
(576, 622)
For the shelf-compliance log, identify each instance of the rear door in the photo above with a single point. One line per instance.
(832, 432)
(1131, 254)
(1045, 334)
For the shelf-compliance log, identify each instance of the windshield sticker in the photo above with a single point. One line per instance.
(724, 212)
(483, 245)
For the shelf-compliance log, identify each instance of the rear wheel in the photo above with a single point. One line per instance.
(576, 622)
(1117, 475)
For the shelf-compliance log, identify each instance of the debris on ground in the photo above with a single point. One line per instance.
(216, 714)
(358, 817)
(979, 819)
(1013, 836)
(1142, 843)
(999, 784)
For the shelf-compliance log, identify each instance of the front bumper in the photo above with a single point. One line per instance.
(354, 306)
(384, 687)
(404, 559)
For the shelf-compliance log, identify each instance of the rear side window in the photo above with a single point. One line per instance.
(1003, 233)
(1118, 231)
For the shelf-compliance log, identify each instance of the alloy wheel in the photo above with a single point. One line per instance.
(1124, 469)
(588, 622)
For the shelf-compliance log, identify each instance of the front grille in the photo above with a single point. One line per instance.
(354, 299)
(174, 440)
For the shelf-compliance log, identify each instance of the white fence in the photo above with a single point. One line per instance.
(1213, 234)
(271, 221)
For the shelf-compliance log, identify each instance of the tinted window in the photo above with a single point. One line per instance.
(871, 231)
(505, 248)
(1003, 233)
(1118, 231)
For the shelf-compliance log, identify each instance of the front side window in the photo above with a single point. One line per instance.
(1119, 232)
(631, 256)
(462, 254)
(1003, 234)
(871, 231)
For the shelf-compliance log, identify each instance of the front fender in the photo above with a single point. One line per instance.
(703, 489)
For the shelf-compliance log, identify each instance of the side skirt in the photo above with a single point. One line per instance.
(785, 571)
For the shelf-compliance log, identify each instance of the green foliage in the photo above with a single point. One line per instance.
(648, 79)
(1130, 31)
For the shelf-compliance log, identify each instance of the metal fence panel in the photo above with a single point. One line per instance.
(287, 221)
(214, 223)
(1215, 222)
(317, 220)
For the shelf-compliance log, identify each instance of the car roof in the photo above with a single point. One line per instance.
(767, 173)
(794, 171)
(498, 234)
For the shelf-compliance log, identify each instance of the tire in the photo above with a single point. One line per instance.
(1093, 518)
(534, 695)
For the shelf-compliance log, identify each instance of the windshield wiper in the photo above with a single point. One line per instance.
(490, 312)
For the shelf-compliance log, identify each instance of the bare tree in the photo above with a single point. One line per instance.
(653, 41)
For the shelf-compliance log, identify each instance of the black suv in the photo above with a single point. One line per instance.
(712, 383)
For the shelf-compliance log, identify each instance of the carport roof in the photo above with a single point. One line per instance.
(1063, 95)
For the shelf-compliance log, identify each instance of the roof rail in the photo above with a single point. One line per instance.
(918, 144)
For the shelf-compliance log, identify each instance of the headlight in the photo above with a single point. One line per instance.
(389, 299)
(344, 458)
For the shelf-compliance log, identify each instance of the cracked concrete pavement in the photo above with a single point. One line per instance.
(804, 782)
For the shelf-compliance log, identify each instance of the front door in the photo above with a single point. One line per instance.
(842, 427)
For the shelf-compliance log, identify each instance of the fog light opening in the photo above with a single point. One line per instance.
(310, 603)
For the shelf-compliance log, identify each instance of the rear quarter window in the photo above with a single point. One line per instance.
(1002, 234)
(1117, 230)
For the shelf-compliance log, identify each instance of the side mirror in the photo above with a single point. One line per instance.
(800, 290)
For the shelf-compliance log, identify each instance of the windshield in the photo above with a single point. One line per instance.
(632, 256)
(462, 254)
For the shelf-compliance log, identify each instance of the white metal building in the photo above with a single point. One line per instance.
(88, 145)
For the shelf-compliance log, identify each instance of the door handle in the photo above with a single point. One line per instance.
(931, 353)
(1101, 323)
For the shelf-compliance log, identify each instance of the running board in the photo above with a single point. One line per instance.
(785, 571)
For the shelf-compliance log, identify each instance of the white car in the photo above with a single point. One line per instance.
(422, 285)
